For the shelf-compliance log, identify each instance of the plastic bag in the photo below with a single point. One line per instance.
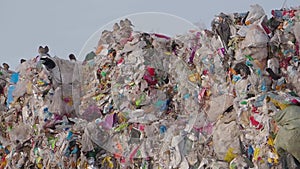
(14, 78)
(288, 134)
(255, 37)
(255, 13)
(20, 132)
(225, 137)
(20, 90)
(218, 105)
(10, 97)
(96, 134)
(61, 104)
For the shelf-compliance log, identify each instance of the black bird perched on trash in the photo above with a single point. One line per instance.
(43, 50)
(46, 58)
(72, 57)
(22, 60)
(5, 66)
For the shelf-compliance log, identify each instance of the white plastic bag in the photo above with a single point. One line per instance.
(255, 37)
(225, 136)
(255, 13)
(218, 105)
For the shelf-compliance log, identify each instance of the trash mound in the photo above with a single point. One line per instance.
(221, 98)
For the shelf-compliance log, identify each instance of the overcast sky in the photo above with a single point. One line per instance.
(65, 25)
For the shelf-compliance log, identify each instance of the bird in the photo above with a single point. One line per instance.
(122, 23)
(116, 27)
(72, 57)
(128, 22)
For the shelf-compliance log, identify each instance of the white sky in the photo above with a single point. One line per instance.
(66, 25)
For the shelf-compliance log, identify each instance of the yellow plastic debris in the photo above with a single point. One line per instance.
(230, 155)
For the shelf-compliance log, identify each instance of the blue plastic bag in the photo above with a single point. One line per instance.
(14, 78)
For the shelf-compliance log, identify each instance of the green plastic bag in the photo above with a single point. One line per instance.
(288, 136)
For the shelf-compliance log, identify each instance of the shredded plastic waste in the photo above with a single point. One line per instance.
(221, 98)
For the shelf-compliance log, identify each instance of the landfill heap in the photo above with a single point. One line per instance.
(221, 98)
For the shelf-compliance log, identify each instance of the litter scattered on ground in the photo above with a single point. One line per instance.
(221, 98)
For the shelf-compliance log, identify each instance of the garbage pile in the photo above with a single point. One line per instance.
(221, 98)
